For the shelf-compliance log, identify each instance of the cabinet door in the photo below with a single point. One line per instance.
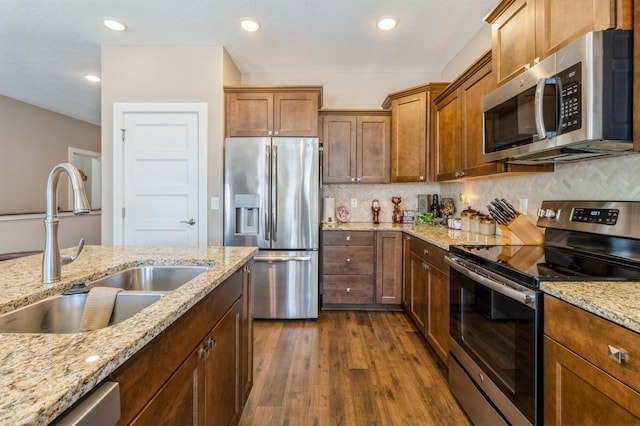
(471, 94)
(418, 292)
(295, 114)
(447, 138)
(223, 391)
(408, 139)
(513, 36)
(559, 22)
(406, 272)
(339, 150)
(437, 324)
(181, 400)
(578, 393)
(249, 114)
(373, 145)
(389, 267)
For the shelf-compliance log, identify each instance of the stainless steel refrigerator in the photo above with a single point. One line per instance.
(271, 200)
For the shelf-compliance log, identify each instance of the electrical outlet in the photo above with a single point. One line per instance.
(354, 203)
(522, 205)
(215, 203)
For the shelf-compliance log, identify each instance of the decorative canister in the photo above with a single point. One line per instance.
(474, 222)
(487, 226)
(465, 224)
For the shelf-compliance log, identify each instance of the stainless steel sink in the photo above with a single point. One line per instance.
(62, 314)
(150, 278)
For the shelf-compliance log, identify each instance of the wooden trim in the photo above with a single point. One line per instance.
(356, 112)
(276, 89)
(429, 87)
(497, 11)
(466, 75)
(636, 74)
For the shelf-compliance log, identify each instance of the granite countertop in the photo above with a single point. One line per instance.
(618, 302)
(437, 235)
(41, 375)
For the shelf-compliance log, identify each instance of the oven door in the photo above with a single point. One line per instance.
(495, 329)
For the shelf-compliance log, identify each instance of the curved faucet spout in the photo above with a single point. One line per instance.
(51, 260)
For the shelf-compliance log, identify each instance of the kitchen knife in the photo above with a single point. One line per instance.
(497, 216)
(510, 207)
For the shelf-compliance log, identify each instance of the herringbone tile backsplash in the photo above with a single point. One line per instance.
(616, 178)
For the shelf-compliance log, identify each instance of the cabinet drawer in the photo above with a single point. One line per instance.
(346, 238)
(592, 337)
(429, 253)
(347, 260)
(347, 289)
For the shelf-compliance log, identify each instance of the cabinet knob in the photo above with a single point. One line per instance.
(348, 261)
(408, 238)
(270, 132)
(348, 289)
(425, 252)
(348, 238)
(276, 133)
(202, 353)
(421, 178)
(618, 355)
(425, 266)
(358, 180)
(211, 343)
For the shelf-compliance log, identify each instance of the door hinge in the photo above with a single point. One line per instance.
(122, 131)
(123, 212)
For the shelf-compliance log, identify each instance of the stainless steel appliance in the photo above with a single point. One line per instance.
(575, 104)
(272, 194)
(495, 367)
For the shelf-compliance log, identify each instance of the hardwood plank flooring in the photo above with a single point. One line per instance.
(347, 368)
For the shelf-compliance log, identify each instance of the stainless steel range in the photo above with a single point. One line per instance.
(495, 363)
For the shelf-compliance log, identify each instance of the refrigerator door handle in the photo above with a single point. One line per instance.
(266, 203)
(282, 258)
(274, 198)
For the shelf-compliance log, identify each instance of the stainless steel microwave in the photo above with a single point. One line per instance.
(575, 104)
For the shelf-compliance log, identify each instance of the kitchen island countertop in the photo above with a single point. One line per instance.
(43, 374)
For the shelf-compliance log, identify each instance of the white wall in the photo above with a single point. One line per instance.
(477, 46)
(346, 90)
(166, 74)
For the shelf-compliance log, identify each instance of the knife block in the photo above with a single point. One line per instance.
(522, 228)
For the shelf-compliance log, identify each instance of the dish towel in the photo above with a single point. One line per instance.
(98, 308)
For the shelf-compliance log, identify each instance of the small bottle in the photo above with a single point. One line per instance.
(435, 206)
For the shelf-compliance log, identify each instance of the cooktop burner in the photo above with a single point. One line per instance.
(531, 264)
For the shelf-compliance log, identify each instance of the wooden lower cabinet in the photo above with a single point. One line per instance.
(361, 269)
(427, 279)
(582, 384)
(195, 372)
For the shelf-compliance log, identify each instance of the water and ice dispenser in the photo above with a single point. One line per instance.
(247, 213)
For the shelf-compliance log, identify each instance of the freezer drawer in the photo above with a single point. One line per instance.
(285, 285)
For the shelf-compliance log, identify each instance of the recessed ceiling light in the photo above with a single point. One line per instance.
(250, 24)
(387, 23)
(114, 25)
(92, 78)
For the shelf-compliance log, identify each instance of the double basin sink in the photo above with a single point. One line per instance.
(142, 286)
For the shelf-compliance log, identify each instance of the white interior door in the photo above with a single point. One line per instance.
(161, 182)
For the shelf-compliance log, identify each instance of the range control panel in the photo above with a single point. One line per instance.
(599, 216)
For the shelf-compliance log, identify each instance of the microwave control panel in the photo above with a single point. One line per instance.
(570, 98)
(599, 216)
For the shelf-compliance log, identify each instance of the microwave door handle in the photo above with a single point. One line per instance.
(539, 108)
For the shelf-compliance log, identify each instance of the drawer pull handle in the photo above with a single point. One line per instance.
(348, 261)
(618, 355)
(426, 252)
(348, 237)
(348, 289)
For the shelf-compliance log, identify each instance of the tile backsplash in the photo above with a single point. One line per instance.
(616, 178)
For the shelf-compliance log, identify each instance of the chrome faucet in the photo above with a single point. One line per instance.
(51, 260)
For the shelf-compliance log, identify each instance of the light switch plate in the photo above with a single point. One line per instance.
(215, 203)
(354, 203)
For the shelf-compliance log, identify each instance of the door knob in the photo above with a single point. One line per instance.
(189, 222)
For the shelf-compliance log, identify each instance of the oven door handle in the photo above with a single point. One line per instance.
(524, 296)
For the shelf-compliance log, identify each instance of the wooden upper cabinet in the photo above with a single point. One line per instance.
(411, 131)
(356, 146)
(458, 127)
(273, 111)
(526, 31)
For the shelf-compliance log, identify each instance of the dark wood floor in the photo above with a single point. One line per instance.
(347, 368)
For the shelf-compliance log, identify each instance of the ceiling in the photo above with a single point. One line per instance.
(48, 46)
